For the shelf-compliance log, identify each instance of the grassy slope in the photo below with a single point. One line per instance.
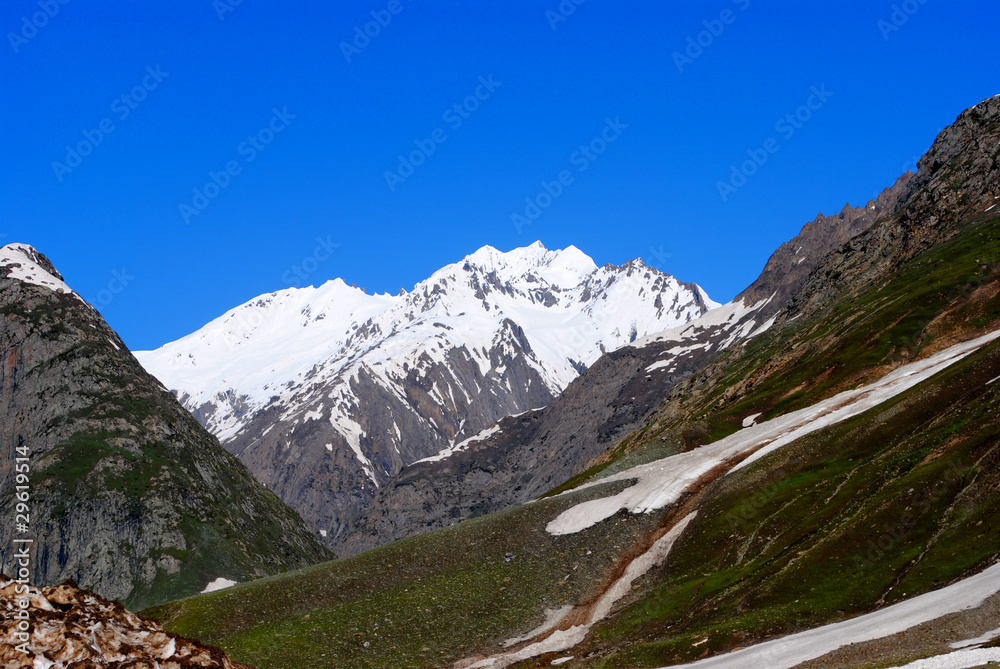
(423, 601)
(891, 504)
(796, 538)
(776, 544)
(948, 291)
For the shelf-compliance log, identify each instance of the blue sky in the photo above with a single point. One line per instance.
(300, 132)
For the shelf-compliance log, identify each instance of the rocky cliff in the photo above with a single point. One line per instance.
(129, 495)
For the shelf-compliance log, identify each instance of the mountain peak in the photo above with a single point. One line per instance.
(564, 268)
(24, 263)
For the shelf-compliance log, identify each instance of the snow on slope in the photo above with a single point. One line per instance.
(963, 659)
(462, 445)
(662, 482)
(564, 639)
(21, 260)
(256, 349)
(570, 311)
(790, 651)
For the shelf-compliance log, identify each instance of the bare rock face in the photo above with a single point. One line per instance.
(957, 179)
(791, 264)
(65, 627)
(128, 494)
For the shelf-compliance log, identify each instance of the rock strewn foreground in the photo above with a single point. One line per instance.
(71, 627)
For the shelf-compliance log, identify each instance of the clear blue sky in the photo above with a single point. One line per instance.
(653, 193)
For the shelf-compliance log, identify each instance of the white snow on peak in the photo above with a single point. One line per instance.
(564, 268)
(258, 347)
(292, 343)
(21, 260)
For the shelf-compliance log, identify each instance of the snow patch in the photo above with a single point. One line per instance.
(552, 618)
(751, 420)
(18, 258)
(978, 641)
(461, 446)
(964, 659)
(352, 432)
(219, 584)
(661, 482)
(790, 651)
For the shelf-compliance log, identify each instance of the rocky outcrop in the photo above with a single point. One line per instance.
(957, 180)
(128, 494)
(65, 627)
(790, 265)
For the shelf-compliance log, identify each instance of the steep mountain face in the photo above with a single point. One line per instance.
(822, 494)
(523, 457)
(791, 264)
(71, 628)
(957, 179)
(129, 495)
(327, 393)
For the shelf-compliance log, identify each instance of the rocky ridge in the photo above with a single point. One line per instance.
(327, 393)
(129, 496)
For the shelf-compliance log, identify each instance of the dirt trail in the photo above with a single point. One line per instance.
(574, 626)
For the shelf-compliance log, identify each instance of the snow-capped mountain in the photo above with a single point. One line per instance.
(327, 392)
